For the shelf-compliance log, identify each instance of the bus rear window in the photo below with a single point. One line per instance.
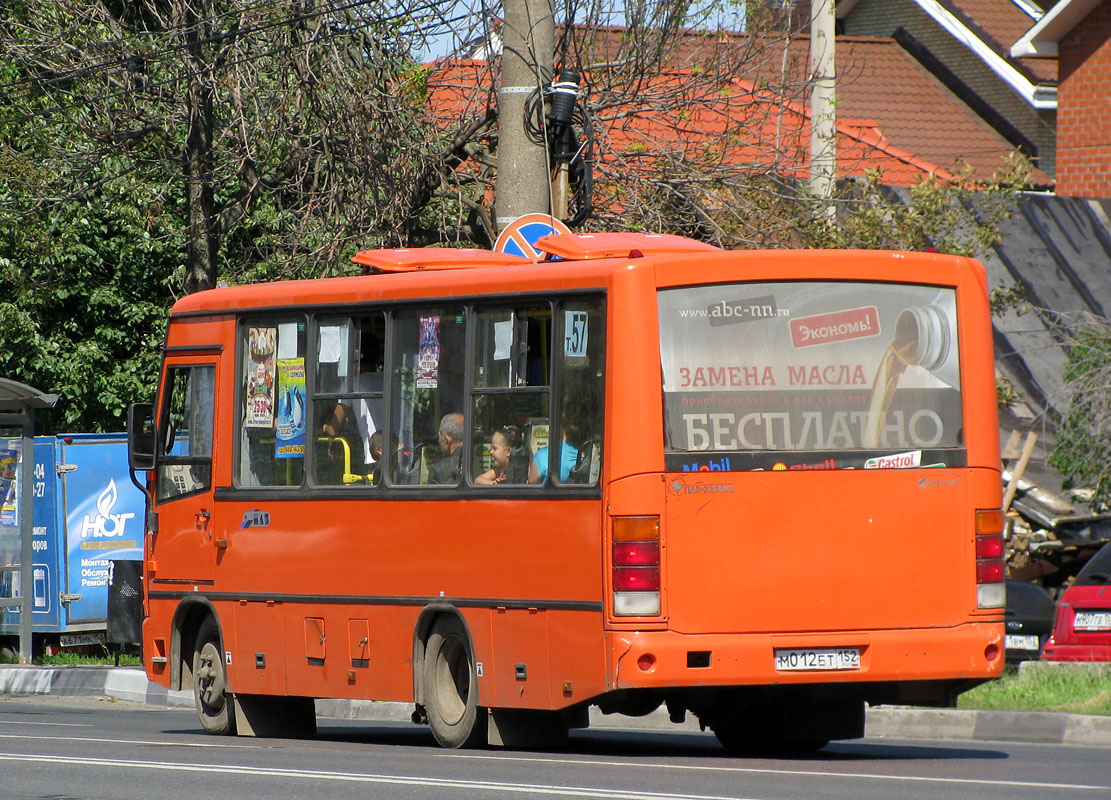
(810, 375)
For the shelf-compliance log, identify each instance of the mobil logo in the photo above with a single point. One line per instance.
(719, 465)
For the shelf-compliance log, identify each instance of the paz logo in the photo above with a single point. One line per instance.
(105, 524)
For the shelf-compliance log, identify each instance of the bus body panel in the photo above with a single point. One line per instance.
(944, 656)
(328, 597)
(343, 566)
(844, 550)
(831, 577)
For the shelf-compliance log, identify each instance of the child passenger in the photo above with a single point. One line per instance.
(510, 466)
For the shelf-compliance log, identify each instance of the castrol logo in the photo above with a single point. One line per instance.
(912, 458)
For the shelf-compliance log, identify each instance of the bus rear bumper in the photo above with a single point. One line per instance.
(972, 653)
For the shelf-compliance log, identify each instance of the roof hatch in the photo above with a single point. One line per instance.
(561, 246)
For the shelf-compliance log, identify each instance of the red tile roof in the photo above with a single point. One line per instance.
(892, 115)
(877, 80)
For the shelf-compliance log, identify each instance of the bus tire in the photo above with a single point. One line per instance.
(210, 681)
(451, 687)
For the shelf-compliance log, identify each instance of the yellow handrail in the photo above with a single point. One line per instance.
(348, 475)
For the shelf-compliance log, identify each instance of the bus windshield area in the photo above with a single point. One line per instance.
(810, 375)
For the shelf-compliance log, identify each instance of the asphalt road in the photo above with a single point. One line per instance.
(62, 748)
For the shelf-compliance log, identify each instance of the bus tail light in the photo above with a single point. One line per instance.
(636, 566)
(991, 591)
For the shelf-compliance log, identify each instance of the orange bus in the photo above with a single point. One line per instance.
(762, 488)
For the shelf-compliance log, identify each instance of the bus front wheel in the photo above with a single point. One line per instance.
(451, 688)
(210, 681)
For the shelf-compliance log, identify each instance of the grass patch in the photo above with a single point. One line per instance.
(91, 657)
(68, 659)
(1063, 689)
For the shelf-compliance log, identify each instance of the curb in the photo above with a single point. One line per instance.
(131, 684)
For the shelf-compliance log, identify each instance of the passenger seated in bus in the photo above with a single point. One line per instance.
(512, 463)
(375, 472)
(449, 467)
(568, 452)
(367, 412)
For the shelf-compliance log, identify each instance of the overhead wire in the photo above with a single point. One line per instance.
(79, 72)
(218, 38)
(240, 33)
(61, 109)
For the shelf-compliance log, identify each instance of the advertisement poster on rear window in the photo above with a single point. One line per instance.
(808, 375)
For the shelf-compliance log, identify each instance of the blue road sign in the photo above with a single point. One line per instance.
(519, 237)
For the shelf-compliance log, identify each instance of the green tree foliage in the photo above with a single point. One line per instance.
(1083, 451)
(148, 149)
(83, 273)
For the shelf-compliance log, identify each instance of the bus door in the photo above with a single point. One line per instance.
(184, 547)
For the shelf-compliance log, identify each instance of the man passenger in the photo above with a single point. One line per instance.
(449, 468)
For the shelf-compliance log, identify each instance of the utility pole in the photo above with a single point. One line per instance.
(528, 45)
(823, 102)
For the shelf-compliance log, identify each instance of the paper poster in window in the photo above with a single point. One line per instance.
(9, 482)
(290, 433)
(428, 360)
(261, 344)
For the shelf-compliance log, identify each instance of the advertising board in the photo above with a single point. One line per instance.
(86, 513)
(809, 375)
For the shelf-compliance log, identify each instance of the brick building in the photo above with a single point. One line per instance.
(1077, 33)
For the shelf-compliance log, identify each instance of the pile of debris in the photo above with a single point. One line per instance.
(1049, 536)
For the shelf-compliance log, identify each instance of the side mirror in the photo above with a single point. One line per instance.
(140, 436)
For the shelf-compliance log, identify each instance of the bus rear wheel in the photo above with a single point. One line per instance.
(210, 681)
(451, 688)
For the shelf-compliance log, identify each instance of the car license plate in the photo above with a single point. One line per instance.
(79, 639)
(1092, 621)
(1016, 641)
(822, 658)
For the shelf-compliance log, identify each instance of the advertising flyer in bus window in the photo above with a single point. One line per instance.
(290, 433)
(261, 346)
(810, 375)
(428, 359)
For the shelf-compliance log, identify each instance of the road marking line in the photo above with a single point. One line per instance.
(792, 772)
(97, 739)
(353, 777)
(57, 724)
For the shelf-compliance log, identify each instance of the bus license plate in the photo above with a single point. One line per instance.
(1015, 641)
(1092, 621)
(826, 658)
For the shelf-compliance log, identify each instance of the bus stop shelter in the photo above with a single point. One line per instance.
(18, 403)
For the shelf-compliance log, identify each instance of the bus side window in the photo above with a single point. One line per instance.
(581, 348)
(348, 399)
(511, 395)
(272, 405)
(426, 393)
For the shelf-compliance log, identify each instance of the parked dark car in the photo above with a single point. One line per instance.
(1029, 620)
(1082, 629)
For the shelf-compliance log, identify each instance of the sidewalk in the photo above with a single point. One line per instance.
(131, 684)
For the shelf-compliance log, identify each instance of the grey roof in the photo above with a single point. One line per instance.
(1059, 250)
(15, 396)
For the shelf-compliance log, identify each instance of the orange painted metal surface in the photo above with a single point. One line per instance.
(874, 559)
